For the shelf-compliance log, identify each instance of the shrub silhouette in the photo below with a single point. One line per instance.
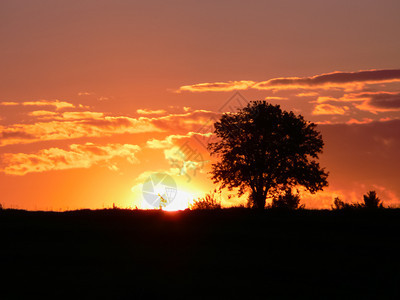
(264, 150)
(288, 201)
(209, 201)
(338, 204)
(371, 201)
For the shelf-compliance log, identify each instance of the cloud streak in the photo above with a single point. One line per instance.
(77, 156)
(218, 86)
(328, 109)
(170, 140)
(72, 125)
(145, 111)
(378, 101)
(341, 80)
(55, 103)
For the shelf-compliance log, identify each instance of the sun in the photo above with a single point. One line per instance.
(170, 193)
(181, 201)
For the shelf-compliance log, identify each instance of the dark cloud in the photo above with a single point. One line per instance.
(328, 80)
(335, 78)
(383, 100)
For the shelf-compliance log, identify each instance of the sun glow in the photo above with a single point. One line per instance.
(181, 198)
(181, 201)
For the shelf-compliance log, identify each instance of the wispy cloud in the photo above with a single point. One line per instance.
(218, 86)
(5, 103)
(307, 94)
(332, 80)
(72, 129)
(85, 94)
(72, 125)
(378, 101)
(363, 121)
(77, 156)
(71, 115)
(328, 109)
(170, 140)
(268, 98)
(340, 80)
(56, 103)
(145, 111)
(102, 98)
(82, 115)
(43, 114)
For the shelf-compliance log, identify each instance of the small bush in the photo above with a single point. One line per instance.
(338, 204)
(209, 201)
(371, 201)
(288, 201)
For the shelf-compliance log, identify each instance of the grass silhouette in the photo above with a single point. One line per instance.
(226, 253)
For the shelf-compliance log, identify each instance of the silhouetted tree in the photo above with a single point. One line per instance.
(264, 150)
(209, 201)
(288, 200)
(338, 204)
(372, 201)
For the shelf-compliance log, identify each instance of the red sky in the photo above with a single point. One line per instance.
(97, 95)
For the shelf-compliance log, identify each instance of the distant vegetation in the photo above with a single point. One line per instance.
(371, 201)
(207, 202)
(291, 201)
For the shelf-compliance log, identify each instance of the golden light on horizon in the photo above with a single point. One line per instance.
(184, 193)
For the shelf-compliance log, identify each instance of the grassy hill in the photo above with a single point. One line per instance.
(232, 253)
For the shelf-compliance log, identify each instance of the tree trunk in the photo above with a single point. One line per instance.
(258, 201)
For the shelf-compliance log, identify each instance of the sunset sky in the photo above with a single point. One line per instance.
(97, 95)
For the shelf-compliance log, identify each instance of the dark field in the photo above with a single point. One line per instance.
(236, 253)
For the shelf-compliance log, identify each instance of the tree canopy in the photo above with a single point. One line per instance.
(265, 150)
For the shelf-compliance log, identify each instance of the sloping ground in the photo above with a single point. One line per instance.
(236, 253)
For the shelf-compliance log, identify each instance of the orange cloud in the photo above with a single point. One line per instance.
(56, 103)
(102, 98)
(308, 94)
(363, 121)
(171, 139)
(85, 94)
(189, 121)
(274, 98)
(218, 86)
(62, 130)
(327, 109)
(77, 156)
(150, 112)
(9, 103)
(43, 114)
(81, 115)
(71, 125)
(324, 99)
